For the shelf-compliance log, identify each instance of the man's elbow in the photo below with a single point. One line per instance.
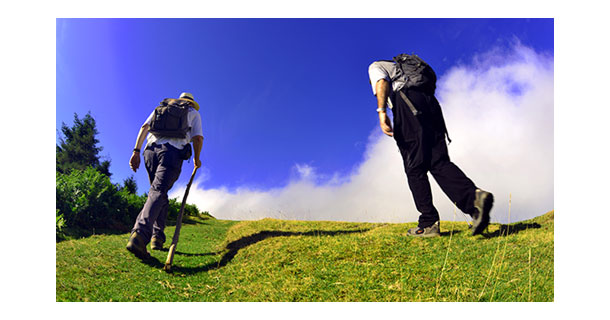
(197, 139)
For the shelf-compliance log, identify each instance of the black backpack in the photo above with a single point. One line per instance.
(170, 119)
(415, 72)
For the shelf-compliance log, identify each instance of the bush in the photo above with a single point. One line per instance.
(189, 210)
(132, 204)
(88, 200)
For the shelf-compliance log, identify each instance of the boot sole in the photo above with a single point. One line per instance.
(425, 235)
(483, 221)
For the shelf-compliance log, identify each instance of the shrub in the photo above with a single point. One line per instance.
(189, 210)
(88, 200)
(132, 204)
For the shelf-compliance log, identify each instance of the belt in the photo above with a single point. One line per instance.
(167, 144)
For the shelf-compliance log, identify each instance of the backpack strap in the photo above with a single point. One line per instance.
(445, 126)
(409, 103)
(417, 112)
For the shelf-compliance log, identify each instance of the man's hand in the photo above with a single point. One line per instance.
(134, 162)
(197, 163)
(385, 123)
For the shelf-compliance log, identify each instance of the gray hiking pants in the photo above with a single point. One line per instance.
(163, 164)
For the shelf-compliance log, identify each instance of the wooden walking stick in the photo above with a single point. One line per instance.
(172, 247)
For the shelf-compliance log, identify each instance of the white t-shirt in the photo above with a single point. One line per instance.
(384, 70)
(194, 120)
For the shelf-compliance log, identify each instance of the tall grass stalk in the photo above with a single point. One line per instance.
(438, 283)
(493, 261)
(529, 270)
(504, 249)
(466, 219)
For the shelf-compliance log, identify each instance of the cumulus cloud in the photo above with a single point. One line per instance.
(499, 112)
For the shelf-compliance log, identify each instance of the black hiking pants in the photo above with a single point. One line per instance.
(421, 141)
(163, 164)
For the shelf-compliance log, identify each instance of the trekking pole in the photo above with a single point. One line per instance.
(172, 247)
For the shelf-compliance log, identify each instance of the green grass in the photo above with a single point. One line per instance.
(278, 260)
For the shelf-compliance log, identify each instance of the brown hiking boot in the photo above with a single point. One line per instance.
(428, 232)
(156, 243)
(137, 246)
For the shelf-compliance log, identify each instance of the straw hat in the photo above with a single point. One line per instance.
(189, 97)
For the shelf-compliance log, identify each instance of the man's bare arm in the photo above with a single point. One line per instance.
(134, 162)
(197, 145)
(382, 87)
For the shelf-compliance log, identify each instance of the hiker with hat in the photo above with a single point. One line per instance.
(169, 129)
(406, 85)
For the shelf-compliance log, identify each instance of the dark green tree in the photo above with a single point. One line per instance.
(78, 147)
(130, 185)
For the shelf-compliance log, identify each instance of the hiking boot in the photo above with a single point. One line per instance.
(428, 232)
(156, 243)
(137, 246)
(483, 202)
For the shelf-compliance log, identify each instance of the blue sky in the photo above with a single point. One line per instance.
(273, 92)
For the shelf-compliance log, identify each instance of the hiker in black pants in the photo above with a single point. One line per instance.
(407, 85)
(168, 130)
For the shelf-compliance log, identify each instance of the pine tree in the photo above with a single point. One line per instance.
(130, 185)
(78, 147)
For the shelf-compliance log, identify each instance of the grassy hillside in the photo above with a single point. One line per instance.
(277, 260)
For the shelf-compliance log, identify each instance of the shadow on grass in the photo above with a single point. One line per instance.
(157, 264)
(153, 262)
(448, 232)
(234, 247)
(504, 229)
(192, 254)
(507, 229)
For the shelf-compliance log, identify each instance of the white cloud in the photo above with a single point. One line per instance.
(499, 111)
(305, 171)
(500, 116)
